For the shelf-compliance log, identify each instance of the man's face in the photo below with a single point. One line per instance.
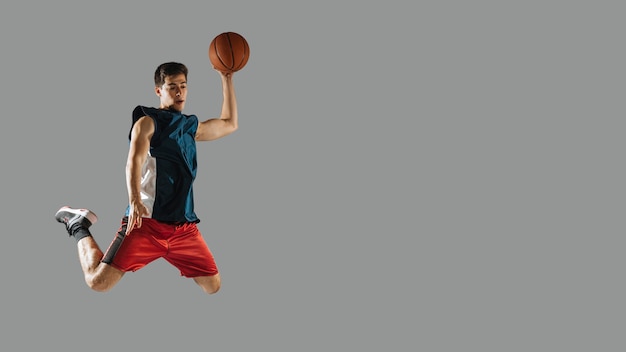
(173, 92)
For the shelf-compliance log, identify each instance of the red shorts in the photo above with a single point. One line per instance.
(181, 245)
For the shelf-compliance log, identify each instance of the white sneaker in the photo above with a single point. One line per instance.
(70, 217)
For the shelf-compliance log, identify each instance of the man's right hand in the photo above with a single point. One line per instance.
(135, 214)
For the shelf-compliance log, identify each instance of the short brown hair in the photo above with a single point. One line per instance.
(168, 69)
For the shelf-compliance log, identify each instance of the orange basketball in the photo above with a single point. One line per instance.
(229, 52)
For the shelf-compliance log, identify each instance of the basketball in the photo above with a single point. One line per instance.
(229, 52)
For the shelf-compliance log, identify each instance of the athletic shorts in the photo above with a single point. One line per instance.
(181, 245)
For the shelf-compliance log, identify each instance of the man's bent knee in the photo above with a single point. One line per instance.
(104, 279)
(210, 284)
(99, 285)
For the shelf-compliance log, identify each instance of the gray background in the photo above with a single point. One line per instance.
(440, 176)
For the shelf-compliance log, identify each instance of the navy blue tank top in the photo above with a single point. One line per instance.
(170, 168)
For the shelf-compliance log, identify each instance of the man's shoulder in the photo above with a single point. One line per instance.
(163, 116)
(141, 111)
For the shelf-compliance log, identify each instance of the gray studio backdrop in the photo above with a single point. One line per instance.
(426, 176)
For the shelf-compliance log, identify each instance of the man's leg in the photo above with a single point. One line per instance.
(191, 255)
(210, 284)
(98, 276)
